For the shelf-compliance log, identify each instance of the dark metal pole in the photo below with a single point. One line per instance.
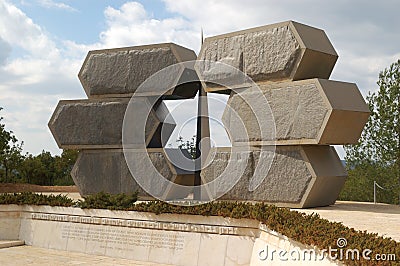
(203, 144)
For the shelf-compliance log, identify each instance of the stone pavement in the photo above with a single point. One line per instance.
(27, 255)
(383, 219)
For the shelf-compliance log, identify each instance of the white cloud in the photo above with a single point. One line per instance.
(132, 25)
(58, 5)
(362, 70)
(32, 84)
(18, 29)
(5, 50)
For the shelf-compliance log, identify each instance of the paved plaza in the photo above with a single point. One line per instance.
(27, 255)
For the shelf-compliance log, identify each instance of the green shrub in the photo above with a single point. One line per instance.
(104, 200)
(30, 198)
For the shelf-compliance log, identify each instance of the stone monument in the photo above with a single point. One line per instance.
(289, 65)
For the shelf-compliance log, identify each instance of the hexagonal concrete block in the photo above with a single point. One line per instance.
(282, 51)
(311, 111)
(299, 177)
(103, 171)
(98, 124)
(119, 72)
(107, 171)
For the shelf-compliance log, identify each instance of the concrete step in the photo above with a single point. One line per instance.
(11, 243)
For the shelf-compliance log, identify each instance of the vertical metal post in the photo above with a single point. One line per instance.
(197, 177)
(374, 192)
(203, 144)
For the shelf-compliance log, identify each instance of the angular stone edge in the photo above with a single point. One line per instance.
(349, 111)
(328, 178)
(162, 132)
(318, 54)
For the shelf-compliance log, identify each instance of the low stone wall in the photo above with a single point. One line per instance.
(165, 238)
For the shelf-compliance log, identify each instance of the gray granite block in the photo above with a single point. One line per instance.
(108, 171)
(98, 124)
(283, 51)
(311, 111)
(120, 72)
(299, 176)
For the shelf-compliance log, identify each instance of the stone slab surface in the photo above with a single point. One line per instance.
(119, 72)
(287, 50)
(10, 223)
(107, 170)
(380, 218)
(302, 112)
(165, 239)
(35, 256)
(91, 124)
(302, 176)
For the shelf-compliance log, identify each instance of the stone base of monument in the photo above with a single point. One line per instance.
(166, 238)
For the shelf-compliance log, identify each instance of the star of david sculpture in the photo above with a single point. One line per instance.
(282, 115)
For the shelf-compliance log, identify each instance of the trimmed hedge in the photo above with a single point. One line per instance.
(108, 201)
(29, 198)
(307, 229)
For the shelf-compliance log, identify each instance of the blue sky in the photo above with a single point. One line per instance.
(43, 43)
(80, 21)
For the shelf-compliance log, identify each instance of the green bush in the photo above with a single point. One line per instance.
(108, 201)
(29, 198)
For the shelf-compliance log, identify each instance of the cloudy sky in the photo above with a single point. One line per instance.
(43, 43)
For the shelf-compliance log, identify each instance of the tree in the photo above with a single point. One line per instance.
(47, 170)
(189, 145)
(43, 169)
(30, 169)
(38, 169)
(63, 165)
(10, 152)
(377, 154)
